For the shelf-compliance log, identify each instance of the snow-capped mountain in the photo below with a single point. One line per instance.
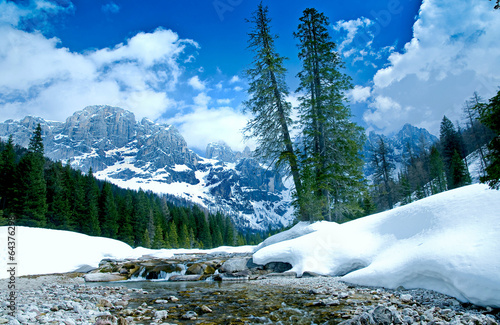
(155, 157)
(410, 140)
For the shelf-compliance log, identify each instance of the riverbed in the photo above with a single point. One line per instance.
(67, 299)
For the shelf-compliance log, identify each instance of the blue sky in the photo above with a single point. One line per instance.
(183, 62)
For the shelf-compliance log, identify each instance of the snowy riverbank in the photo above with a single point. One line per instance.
(449, 243)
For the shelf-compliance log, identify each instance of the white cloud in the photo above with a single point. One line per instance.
(383, 108)
(359, 94)
(224, 101)
(196, 83)
(351, 27)
(202, 99)
(39, 77)
(111, 7)
(204, 125)
(238, 88)
(454, 52)
(234, 79)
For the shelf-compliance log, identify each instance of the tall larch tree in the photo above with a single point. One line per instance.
(332, 143)
(270, 125)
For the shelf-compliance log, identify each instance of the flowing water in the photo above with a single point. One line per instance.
(231, 303)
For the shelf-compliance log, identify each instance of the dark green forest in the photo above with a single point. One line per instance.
(38, 192)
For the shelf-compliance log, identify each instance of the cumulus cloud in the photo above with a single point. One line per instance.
(40, 77)
(359, 94)
(454, 52)
(196, 83)
(204, 125)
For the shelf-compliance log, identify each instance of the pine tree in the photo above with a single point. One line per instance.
(58, 214)
(490, 116)
(229, 233)
(108, 215)
(146, 241)
(158, 241)
(172, 235)
(89, 223)
(184, 241)
(125, 228)
(383, 171)
(7, 174)
(451, 142)
(141, 215)
(459, 175)
(271, 122)
(30, 191)
(331, 142)
(437, 175)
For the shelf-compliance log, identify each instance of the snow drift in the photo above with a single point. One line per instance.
(46, 251)
(449, 243)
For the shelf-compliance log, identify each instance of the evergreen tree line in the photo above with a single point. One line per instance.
(324, 161)
(42, 193)
(443, 166)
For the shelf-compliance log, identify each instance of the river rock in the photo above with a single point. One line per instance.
(190, 315)
(160, 314)
(200, 269)
(236, 276)
(105, 320)
(383, 315)
(85, 268)
(235, 265)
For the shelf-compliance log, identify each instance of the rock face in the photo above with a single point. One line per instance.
(222, 152)
(156, 157)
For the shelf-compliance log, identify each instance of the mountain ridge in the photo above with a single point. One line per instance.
(151, 156)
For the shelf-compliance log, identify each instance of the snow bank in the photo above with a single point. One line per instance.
(449, 243)
(46, 251)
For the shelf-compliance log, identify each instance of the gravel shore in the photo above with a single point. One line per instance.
(66, 299)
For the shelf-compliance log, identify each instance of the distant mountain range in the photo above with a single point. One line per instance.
(409, 139)
(143, 154)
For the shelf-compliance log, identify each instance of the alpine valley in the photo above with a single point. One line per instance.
(146, 155)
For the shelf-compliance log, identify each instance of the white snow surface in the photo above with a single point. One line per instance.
(46, 251)
(448, 242)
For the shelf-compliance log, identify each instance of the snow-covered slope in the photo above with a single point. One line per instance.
(46, 251)
(449, 243)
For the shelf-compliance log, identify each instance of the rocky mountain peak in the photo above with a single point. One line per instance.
(223, 152)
